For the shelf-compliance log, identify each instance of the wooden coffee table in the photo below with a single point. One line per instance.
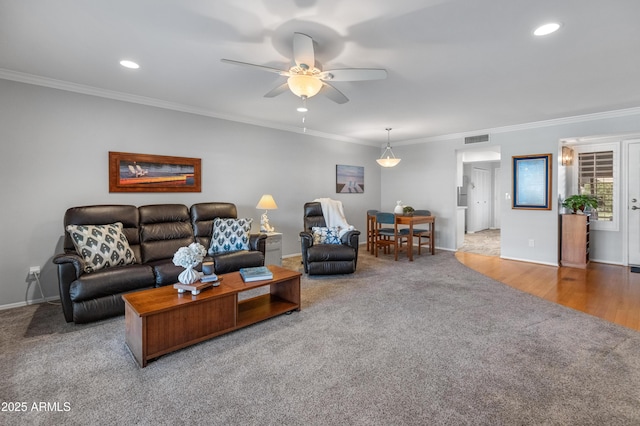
(161, 320)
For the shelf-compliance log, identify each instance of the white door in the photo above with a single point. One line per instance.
(633, 203)
(479, 197)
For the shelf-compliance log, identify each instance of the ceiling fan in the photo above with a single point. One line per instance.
(305, 79)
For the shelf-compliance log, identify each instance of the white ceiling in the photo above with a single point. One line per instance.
(454, 66)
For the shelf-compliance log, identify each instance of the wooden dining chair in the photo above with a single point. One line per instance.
(423, 235)
(371, 230)
(388, 236)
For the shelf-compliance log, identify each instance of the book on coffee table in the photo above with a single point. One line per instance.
(209, 278)
(257, 273)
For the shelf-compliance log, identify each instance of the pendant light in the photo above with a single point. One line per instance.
(387, 159)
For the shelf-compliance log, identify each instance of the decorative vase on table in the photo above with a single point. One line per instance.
(188, 257)
(188, 276)
(398, 209)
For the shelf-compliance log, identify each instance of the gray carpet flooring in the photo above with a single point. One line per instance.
(429, 342)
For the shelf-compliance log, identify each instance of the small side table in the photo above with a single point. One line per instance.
(273, 249)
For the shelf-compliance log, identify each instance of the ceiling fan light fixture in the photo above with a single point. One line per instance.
(387, 159)
(304, 85)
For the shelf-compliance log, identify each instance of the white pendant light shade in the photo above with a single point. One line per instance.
(304, 85)
(387, 159)
(388, 162)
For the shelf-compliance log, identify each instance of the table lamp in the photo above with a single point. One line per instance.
(267, 203)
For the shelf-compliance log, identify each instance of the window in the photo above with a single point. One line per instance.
(597, 175)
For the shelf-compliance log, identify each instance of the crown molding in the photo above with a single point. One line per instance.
(528, 126)
(158, 103)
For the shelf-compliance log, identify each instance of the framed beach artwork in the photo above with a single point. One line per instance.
(349, 179)
(130, 172)
(532, 182)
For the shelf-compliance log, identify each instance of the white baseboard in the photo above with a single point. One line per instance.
(608, 262)
(530, 261)
(29, 302)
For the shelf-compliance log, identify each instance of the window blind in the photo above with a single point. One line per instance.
(595, 177)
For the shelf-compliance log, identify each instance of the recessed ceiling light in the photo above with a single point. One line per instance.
(129, 64)
(546, 29)
(302, 109)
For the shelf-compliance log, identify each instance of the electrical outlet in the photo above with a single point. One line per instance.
(34, 270)
(532, 243)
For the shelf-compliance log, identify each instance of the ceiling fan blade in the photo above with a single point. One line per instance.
(332, 93)
(277, 91)
(261, 67)
(354, 74)
(303, 53)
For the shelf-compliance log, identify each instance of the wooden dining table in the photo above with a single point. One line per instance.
(416, 220)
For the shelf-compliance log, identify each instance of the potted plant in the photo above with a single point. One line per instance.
(408, 210)
(580, 202)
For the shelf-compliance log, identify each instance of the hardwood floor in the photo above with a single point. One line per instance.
(606, 291)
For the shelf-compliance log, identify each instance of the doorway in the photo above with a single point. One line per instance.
(479, 188)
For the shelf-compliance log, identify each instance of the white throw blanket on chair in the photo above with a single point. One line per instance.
(334, 215)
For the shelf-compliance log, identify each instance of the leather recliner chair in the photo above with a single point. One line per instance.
(326, 259)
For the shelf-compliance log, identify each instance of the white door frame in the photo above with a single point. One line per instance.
(497, 190)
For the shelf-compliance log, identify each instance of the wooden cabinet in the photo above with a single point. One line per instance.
(575, 240)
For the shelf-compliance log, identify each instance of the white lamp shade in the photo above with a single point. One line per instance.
(388, 162)
(267, 203)
(304, 85)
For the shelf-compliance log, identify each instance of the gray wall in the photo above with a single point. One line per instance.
(54, 155)
(426, 177)
(55, 145)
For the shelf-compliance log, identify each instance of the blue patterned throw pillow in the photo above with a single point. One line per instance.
(322, 235)
(230, 235)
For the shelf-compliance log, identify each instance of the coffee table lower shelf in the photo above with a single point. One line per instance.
(260, 308)
(161, 320)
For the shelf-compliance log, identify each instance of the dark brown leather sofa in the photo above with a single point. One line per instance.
(154, 233)
(326, 259)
